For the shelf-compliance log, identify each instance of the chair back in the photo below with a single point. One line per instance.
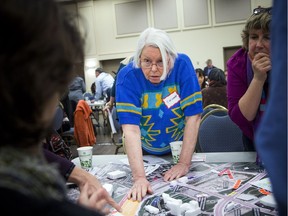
(215, 112)
(58, 118)
(73, 108)
(115, 128)
(218, 133)
(212, 107)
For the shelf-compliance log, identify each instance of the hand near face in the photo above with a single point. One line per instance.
(139, 190)
(177, 171)
(261, 64)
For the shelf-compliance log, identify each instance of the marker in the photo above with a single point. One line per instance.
(237, 184)
(222, 172)
(264, 192)
(230, 174)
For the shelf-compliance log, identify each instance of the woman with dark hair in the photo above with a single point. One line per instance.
(201, 78)
(216, 92)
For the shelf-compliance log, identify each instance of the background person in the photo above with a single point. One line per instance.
(208, 68)
(216, 92)
(76, 89)
(93, 91)
(78, 176)
(111, 103)
(201, 78)
(248, 70)
(30, 59)
(158, 100)
(104, 82)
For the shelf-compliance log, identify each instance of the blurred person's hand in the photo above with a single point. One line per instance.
(89, 185)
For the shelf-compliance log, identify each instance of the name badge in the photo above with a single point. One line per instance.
(171, 99)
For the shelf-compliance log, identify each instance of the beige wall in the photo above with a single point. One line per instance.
(103, 44)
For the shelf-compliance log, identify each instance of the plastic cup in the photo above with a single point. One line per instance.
(176, 147)
(85, 156)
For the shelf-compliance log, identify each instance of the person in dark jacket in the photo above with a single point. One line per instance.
(43, 67)
(216, 92)
(208, 68)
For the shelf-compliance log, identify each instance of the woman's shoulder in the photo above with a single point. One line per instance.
(183, 57)
(237, 59)
(128, 71)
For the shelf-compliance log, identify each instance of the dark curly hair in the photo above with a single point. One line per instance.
(39, 45)
(218, 75)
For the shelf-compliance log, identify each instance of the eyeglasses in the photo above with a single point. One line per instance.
(145, 63)
(260, 10)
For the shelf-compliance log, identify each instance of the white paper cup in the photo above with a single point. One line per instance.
(176, 147)
(85, 156)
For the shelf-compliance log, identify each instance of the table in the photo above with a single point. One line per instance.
(210, 157)
(227, 183)
(97, 107)
(97, 104)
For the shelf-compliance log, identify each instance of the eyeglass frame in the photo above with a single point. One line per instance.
(259, 10)
(151, 64)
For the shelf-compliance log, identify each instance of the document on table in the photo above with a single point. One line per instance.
(148, 160)
(263, 183)
(151, 163)
(198, 158)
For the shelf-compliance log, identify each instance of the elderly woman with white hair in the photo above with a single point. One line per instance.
(158, 101)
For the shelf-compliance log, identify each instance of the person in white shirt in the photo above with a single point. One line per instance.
(104, 82)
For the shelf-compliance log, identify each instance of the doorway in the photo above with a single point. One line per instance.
(228, 52)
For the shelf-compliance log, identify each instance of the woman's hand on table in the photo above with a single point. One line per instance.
(177, 171)
(140, 189)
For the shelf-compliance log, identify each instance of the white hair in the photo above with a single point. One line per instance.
(159, 39)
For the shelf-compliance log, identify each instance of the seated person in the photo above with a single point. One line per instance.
(201, 78)
(104, 82)
(43, 67)
(54, 143)
(216, 92)
(76, 175)
(93, 90)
